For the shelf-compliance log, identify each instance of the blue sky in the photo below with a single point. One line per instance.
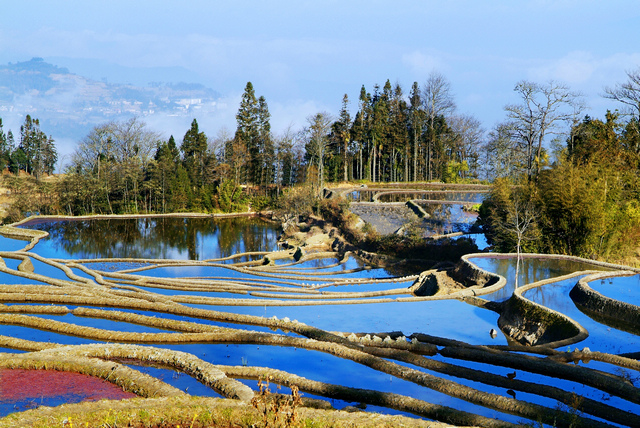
(304, 55)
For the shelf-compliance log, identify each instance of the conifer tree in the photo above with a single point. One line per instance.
(266, 151)
(416, 124)
(398, 134)
(253, 135)
(247, 131)
(342, 130)
(379, 129)
(40, 155)
(5, 152)
(194, 151)
(163, 172)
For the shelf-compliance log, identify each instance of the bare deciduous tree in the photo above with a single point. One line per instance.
(116, 153)
(316, 135)
(467, 136)
(541, 110)
(521, 220)
(438, 101)
(627, 93)
(502, 156)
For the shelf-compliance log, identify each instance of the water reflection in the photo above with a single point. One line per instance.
(156, 238)
(429, 193)
(469, 197)
(447, 218)
(601, 337)
(360, 196)
(532, 269)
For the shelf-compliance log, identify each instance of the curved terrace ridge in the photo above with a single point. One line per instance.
(177, 310)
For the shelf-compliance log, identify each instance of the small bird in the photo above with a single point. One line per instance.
(493, 333)
(511, 392)
(511, 376)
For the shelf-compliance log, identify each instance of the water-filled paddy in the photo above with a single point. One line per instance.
(155, 291)
(532, 269)
(556, 295)
(624, 288)
(155, 238)
(601, 337)
(52, 388)
(397, 196)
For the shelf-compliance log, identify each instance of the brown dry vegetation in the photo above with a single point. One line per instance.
(14, 190)
(193, 412)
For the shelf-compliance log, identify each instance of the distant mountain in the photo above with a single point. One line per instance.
(69, 105)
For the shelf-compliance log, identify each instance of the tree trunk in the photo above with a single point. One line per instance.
(346, 164)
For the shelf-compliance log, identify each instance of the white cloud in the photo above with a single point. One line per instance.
(293, 113)
(587, 73)
(575, 68)
(421, 64)
(211, 118)
(584, 68)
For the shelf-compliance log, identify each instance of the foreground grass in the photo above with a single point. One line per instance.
(193, 412)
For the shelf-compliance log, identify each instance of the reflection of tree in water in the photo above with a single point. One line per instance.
(241, 234)
(476, 197)
(445, 218)
(360, 196)
(160, 238)
(92, 238)
(532, 270)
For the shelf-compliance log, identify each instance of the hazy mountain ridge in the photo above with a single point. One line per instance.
(69, 104)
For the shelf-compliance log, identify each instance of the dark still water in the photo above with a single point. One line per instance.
(155, 238)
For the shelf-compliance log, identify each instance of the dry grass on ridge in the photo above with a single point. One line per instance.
(192, 412)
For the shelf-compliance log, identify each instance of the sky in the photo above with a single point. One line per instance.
(303, 56)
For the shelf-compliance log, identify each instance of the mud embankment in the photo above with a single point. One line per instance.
(614, 313)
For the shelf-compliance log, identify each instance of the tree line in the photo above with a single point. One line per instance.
(587, 201)
(124, 167)
(394, 137)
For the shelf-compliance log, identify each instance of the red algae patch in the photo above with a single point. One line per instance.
(21, 389)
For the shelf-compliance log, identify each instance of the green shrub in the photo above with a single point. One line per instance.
(261, 202)
(230, 197)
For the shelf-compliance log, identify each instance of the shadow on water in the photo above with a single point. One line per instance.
(556, 295)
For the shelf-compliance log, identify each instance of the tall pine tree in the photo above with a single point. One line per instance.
(253, 134)
(194, 151)
(247, 131)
